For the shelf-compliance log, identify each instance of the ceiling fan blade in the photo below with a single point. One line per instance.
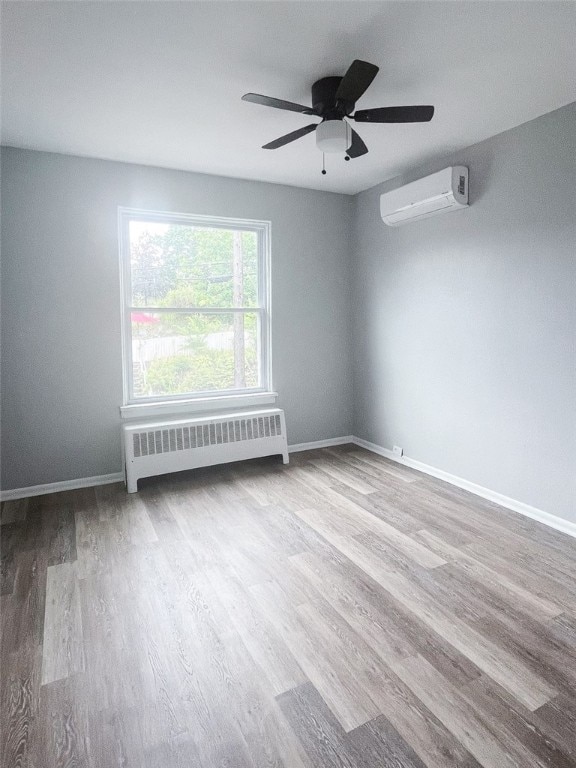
(290, 137)
(357, 148)
(421, 114)
(269, 101)
(356, 80)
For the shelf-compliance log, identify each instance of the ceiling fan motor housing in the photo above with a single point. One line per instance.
(324, 99)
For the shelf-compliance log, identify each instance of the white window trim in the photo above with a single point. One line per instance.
(197, 405)
(202, 401)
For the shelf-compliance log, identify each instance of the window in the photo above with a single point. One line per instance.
(196, 320)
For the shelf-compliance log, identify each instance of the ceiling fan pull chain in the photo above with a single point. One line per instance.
(323, 164)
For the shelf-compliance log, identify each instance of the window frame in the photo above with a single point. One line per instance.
(207, 400)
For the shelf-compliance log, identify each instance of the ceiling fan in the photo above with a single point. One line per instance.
(333, 100)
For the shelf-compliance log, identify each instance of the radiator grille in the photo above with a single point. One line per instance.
(197, 436)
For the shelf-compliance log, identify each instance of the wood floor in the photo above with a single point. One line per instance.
(339, 611)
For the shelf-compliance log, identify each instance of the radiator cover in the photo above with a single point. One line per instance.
(170, 446)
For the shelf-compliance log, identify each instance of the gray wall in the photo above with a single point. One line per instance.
(61, 372)
(465, 324)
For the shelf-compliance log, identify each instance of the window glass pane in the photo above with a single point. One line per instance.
(184, 353)
(179, 265)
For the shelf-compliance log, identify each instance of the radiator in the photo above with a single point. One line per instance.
(171, 446)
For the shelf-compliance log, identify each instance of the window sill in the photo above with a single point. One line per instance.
(199, 405)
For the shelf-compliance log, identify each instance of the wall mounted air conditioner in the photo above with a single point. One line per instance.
(440, 192)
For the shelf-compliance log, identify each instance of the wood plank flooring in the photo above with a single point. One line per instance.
(342, 611)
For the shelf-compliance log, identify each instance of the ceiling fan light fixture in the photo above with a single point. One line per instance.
(333, 136)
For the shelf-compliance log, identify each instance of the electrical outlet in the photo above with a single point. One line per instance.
(397, 451)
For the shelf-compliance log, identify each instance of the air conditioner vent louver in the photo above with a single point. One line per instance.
(155, 449)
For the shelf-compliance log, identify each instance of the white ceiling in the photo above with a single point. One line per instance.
(160, 83)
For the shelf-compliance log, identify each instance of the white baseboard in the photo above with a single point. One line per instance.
(320, 444)
(64, 485)
(552, 521)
